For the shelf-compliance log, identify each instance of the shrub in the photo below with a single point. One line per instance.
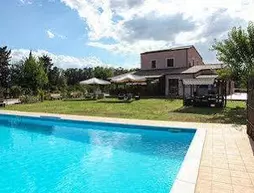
(41, 95)
(28, 99)
(76, 94)
(101, 96)
(15, 91)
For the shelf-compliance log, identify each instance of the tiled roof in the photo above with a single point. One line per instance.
(171, 49)
(195, 69)
(156, 73)
(175, 71)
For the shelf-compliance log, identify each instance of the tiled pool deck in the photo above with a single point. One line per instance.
(227, 163)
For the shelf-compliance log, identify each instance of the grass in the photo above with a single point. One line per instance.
(153, 109)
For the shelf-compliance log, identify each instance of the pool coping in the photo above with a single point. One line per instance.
(187, 176)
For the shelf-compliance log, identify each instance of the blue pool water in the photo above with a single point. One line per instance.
(50, 155)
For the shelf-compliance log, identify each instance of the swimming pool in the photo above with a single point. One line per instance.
(55, 155)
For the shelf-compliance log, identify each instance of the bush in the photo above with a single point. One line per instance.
(28, 99)
(41, 95)
(101, 96)
(76, 94)
(15, 91)
(47, 96)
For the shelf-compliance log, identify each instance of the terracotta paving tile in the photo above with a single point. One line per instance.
(219, 146)
(205, 169)
(222, 179)
(227, 163)
(242, 189)
(220, 165)
(219, 151)
(235, 158)
(231, 147)
(205, 176)
(240, 174)
(251, 175)
(219, 190)
(204, 190)
(219, 155)
(223, 172)
(236, 162)
(203, 186)
(235, 167)
(233, 153)
(249, 168)
(219, 185)
(248, 158)
(219, 161)
(249, 164)
(242, 181)
(207, 153)
(206, 163)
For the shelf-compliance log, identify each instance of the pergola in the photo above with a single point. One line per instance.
(208, 99)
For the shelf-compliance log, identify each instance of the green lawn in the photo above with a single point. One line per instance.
(153, 109)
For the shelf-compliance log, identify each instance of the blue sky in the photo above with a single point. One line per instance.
(113, 32)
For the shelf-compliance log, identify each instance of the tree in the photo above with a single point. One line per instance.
(72, 76)
(237, 52)
(5, 56)
(46, 62)
(103, 73)
(57, 80)
(120, 70)
(17, 73)
(34, 76)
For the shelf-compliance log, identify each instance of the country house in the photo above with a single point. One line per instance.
(177, 71)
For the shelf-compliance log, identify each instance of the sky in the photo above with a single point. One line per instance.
(113, 33)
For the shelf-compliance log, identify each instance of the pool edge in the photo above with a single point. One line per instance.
(186, 179)
(187, 176)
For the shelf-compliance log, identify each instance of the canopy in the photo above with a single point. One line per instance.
(128, 78)
(200, 80)
(95, 81)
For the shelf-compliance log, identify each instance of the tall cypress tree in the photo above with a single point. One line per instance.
(5, 56)
(34, 75)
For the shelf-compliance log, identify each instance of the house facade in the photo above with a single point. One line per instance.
(172, 67)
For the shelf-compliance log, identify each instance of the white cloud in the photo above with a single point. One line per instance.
(61, 61)
(52, 35)
(26, 2)
(140, 25)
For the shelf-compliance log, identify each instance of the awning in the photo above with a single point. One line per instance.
(128, 78)
(207, 76)
(153, 76)
(199, 81)
(95, 81)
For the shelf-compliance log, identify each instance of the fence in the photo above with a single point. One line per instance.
(250, 109)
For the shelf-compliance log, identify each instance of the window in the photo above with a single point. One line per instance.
(153, 63)
(170, 62)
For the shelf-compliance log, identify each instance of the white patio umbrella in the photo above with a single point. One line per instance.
(128, 78)
(95, 81)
